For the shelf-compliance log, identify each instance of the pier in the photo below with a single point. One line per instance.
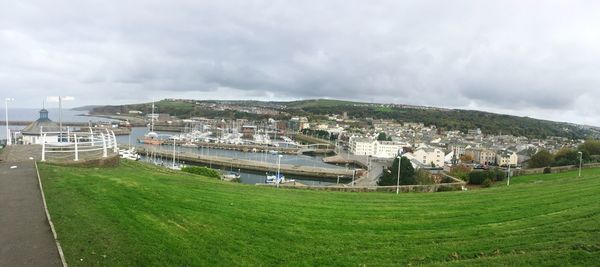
(251, 165)
(312, 149)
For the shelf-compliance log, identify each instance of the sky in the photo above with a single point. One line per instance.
(529, 58)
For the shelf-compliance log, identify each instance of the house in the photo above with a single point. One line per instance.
(248, 131)
(505, 158)
(429, 156)
(366, 146)
(482, 156)
(362, 146)
(388, 149)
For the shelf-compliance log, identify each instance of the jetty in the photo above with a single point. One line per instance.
(251, 165)
(302, 149)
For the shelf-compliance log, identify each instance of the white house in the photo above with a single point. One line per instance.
(505, 158)
(428, 155)
(362, 146)
(388, 149)
(371, 147)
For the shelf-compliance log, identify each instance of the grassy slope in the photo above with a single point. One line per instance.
(137, 214)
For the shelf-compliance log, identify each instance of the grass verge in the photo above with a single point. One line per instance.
(138, 214)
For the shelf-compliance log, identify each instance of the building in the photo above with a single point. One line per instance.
(248, 131)
(482, 156)
(32, 134)
(505, 158)
(371, 147)
(362, 146)
(429, 156)
(388, 149)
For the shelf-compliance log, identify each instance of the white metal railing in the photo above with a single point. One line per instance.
(76, 143)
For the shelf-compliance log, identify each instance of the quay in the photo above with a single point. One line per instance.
(251, 165)
(312, 149)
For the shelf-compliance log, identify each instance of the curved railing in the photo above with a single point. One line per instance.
(93, 144)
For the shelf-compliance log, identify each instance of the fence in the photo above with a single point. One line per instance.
(455, 185)
(81, 145)
(556, 169)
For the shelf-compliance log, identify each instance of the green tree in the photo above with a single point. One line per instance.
(591, 147)
(566, 156)
(382, 137)
(542, 158)
(407, 173)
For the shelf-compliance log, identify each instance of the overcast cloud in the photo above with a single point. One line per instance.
(530, 58)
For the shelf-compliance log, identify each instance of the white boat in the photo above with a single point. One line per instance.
(273, 179)
(129, 154)
(231, 175)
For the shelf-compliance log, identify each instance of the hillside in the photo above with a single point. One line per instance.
(139, 214)
(449, 119)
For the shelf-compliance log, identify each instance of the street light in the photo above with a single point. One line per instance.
(398, 182)
(580, 161)
(508, 175)
(8, 139)
(278, 169)
(59, 99)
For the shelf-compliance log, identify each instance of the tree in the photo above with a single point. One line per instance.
(542, 158)
(592, 147)
(407, 173)
(383, 137)
(466, 158)
(566, 156)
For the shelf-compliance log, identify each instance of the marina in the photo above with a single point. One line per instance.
(266, 159)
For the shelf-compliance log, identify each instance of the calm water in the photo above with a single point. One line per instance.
(246, 177)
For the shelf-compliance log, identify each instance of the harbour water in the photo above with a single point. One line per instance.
(138, 132)
(246, 177)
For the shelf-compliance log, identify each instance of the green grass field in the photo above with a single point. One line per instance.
(138, 214)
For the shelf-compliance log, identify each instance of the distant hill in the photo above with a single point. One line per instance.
(85, 108)
(449, 119)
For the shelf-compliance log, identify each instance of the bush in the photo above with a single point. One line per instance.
(461, 172)
(204, 171)
(499, 175)
(487, 183)
(477, 177)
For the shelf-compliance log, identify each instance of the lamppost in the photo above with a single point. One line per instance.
(8, 139)
(398, 181)
(60, 99)
(278, 169)
(508, 175)
(580, 161)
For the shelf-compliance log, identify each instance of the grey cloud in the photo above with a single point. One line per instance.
(503, 56)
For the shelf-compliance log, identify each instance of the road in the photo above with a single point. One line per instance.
(25, 235)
